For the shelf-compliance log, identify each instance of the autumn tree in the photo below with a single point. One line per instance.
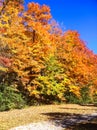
(8, 36)
(27, 55)
(46, 63)
(77, 60)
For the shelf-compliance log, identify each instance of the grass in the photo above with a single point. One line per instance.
(32, 114)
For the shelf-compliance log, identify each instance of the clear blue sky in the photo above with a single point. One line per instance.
(80, 15)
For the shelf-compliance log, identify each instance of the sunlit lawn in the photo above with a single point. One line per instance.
(32, 114)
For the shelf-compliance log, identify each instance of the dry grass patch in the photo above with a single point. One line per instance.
(28, 115)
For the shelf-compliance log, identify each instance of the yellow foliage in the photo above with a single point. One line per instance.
(3, 69)
(75, 89)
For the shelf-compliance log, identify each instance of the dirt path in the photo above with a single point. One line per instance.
(41, 113)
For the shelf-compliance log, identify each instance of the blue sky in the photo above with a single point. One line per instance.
(80, 15)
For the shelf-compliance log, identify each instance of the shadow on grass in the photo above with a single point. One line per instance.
(89, 105)
(83, 107)
(87, 126)
(79, 108)
(59, 116)
(70, 121)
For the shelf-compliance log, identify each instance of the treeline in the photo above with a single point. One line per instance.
(39, 63)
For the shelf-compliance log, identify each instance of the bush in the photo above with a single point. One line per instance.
(10, 98)
(71, 98)
(84, 98)
(95, 99)
(85, 95)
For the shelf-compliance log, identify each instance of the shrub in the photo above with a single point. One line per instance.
(84, 98)
(71, 98)
(95, 99)
(85, 95)
(10, 98)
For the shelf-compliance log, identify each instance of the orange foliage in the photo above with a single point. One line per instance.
(32, 39)
(78, 61)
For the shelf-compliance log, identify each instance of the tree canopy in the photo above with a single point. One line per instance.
(48, 64)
